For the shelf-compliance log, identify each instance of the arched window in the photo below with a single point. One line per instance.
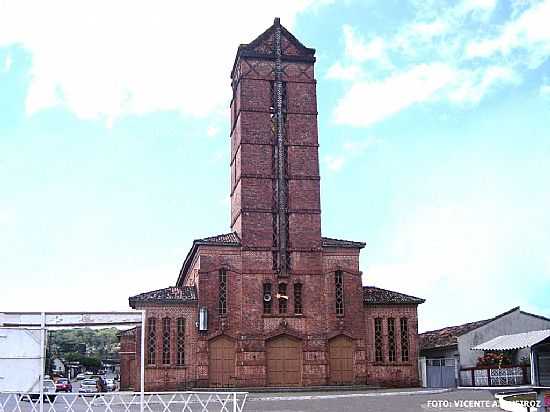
(391, 340)
(339, 292)
(222, 292)
(151, 341)
(378, 343)
(404, 323)
(283, 298)
(166, 341)
(298, 299)
(180, 342)
(267, 298)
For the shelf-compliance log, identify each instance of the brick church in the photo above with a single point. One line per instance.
(273, 302)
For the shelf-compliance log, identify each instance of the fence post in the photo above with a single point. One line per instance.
(473, 377)
(234, 401)
(42, 357)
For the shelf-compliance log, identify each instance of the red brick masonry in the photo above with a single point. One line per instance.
(332, 330)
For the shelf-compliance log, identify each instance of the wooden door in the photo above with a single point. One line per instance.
(341, 360)
(284, 362)
(221, 361)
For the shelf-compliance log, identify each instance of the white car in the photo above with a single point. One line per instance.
(80, 376)
(111, 385)
(88, 386)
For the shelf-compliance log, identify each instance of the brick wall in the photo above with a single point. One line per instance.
(399, 372)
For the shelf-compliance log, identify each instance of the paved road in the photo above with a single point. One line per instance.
(366, 402)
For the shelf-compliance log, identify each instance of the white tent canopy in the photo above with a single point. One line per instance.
(515, 341)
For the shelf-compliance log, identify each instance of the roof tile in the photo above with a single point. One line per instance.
(172, 294)
(377, 296)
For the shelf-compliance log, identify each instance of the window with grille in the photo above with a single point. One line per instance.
(180, 341)
(378, 343)
(283, 298)
(166, 341)
(266, 297)
(222, 292)
(391, 339)
(298, 298)
(404, 339)
(151, 341)
(339, 289)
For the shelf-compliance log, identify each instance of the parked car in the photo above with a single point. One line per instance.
(88, 386)
(63, 385)
(49, 392)
(111, 385)
(80, 376)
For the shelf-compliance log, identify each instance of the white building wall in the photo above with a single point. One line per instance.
(513, 322)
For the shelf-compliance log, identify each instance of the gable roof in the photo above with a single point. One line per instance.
(262, 47)
(225, 239)
(377, 296)
(448, 336)
(331, 242)
(172, 294)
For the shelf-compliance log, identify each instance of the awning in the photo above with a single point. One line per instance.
(516, 341)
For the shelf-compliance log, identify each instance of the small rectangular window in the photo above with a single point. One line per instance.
(283, 298)
(267, 298)
(222, 292)
(404, 339)
(166, 341)
(298, 298)
(378, 343)
(151, 341)
(339, 290)
(391, 339)
(180, 341)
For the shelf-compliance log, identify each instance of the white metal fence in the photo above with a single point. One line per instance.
(124, 402)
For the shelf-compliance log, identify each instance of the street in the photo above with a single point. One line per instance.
(352, 401)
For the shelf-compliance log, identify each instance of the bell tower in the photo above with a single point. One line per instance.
(275, 191)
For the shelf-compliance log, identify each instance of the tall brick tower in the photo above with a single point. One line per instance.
(273, 303)
(275, 202)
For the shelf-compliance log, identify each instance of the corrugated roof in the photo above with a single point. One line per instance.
(515, 341)
(377, 296)
(172, 294)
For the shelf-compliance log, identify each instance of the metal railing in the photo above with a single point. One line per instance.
(124, 402)
(493, 376)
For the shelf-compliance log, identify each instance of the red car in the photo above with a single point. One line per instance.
(63, 385)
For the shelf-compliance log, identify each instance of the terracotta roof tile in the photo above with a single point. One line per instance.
(331, 242)
(172, 294)
(448, 336)
(225, 239)
(377, 296)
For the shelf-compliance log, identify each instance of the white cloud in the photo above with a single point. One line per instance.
(339, 72)
(475, 84)
(359, 50)
(7, 217)
(334, 163)
(530, 31)
(368, 102)
(7, 63)
(545, 91)
(109, 59)
(212, 131)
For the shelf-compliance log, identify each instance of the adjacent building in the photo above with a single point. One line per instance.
(453, 349)
(273, 302)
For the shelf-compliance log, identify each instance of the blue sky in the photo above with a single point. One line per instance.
(434, 132)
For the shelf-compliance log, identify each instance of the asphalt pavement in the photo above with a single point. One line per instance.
(349, 401)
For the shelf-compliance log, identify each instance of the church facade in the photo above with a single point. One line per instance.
(273, 302)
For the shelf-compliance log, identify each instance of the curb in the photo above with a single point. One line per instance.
(348, 395)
